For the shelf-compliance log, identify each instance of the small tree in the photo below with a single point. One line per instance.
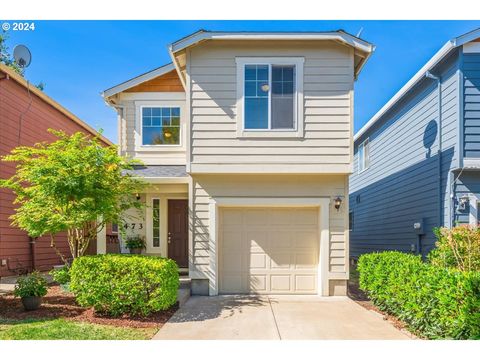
(73, 184)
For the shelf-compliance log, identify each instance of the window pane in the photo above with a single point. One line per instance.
(256, 113)
(250, 72)
(360, 158)
(262, 72)
(283, 100)
(158, 128)
(156, 222)
(156, 121)
(250, 88)
(256, 97)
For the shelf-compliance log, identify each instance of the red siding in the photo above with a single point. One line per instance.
(38, 116)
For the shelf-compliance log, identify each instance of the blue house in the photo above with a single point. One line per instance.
(417, 161)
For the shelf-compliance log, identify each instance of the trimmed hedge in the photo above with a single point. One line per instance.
(434, 302)
(116, 284)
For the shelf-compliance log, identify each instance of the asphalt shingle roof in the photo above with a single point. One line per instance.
(158, 171)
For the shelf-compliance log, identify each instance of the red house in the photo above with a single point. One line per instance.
(26, 114)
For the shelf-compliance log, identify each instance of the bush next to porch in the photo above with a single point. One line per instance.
(433, 301)
(117, 284)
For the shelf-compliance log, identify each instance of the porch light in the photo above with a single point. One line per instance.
(338, 202)
(137, 196)
(463, 201)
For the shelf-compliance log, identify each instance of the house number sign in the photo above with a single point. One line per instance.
(133, 226)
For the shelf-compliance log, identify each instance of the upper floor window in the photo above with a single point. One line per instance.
(363, 156)
(270, 96)
(160, 125)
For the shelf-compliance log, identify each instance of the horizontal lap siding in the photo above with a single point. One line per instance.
(328, 81)
(204, 187)
(401, 186)
(37, 118)
(471, 81)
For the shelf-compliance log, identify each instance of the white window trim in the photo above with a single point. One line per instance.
(139, 105)
(150, 249)
(298, 62)
(362, 144)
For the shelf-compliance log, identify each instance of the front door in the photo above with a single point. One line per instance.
(178, 232)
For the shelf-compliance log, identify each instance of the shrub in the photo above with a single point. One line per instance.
(117, 284)
(31, 285)
(434, 302)
(61, 276)
(458, 247)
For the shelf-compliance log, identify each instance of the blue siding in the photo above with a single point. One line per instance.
(403, 184)
(471, 79)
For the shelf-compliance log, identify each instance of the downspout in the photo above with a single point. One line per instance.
(429, 75)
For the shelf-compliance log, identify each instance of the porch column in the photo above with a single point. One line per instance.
(102, 241)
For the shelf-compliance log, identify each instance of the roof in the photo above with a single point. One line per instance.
(158, 171)
(33, 89)
(439, 56)
(138, 80)
(339, 35)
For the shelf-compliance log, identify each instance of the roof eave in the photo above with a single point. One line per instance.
(441, 54)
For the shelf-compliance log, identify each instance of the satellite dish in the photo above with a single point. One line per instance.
(22, 56)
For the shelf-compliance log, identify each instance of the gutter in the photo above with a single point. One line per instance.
(438, 79)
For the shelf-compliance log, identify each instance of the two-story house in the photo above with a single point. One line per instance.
(417, 161)
(247, 144)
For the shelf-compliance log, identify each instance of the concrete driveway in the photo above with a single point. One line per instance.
(276, 317)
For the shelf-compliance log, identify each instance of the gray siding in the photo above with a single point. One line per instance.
(402, 184)
(471, 73)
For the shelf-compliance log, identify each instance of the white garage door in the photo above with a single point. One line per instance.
(268, 250)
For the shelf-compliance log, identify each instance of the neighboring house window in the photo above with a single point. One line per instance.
(350, 220)
(160, 125)
(363, 156)
(114, 228)
(156, 222)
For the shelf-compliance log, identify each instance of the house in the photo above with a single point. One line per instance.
(247, 144)
(26, 113)
(417, 161)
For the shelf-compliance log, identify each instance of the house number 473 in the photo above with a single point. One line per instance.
(133, 226)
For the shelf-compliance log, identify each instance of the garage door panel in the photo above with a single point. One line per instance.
(269, 250)
(280, 260)
(305, 283)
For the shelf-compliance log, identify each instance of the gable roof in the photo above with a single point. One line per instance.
(47, 99)
(363, 48)
(162, 70)
(437, 58)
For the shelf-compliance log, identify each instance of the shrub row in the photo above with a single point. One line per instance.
(434, 302)
(117, 284)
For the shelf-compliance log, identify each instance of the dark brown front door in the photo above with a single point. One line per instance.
(178, 231)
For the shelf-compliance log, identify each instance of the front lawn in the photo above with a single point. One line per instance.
(62, 329)
(60, 317)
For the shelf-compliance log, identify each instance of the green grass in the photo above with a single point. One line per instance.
(61, 329)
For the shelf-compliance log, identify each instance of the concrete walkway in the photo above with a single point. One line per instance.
(276, 317)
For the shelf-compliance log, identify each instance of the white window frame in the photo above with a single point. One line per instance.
(139, 105)
(366, 159)
(298, 130)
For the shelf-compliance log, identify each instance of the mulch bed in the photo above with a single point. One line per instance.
(357, 295)
(60, 304)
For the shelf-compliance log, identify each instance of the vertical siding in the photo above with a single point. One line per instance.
(328, 82)
(471, 82)
(37, 118)
(401, 186)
